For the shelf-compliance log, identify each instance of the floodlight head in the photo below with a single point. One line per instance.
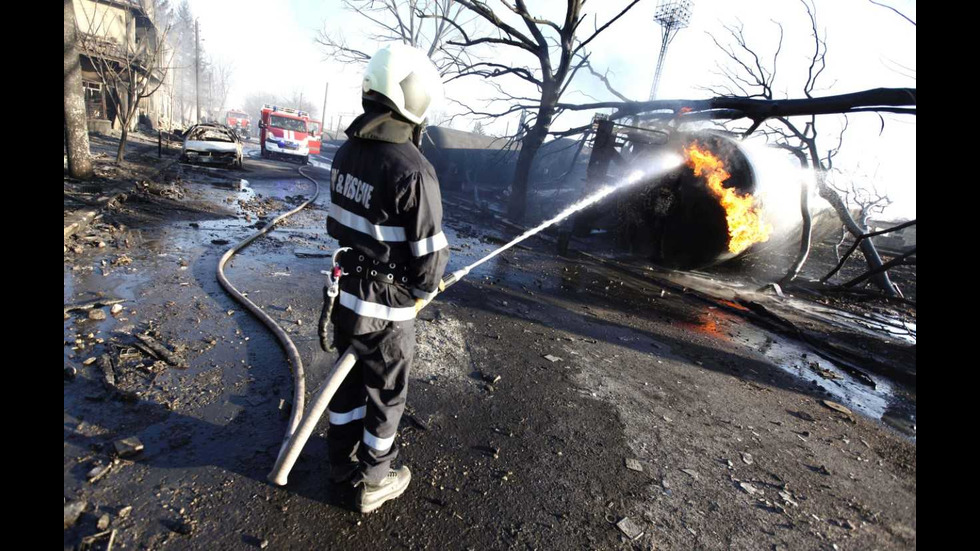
(674, 14)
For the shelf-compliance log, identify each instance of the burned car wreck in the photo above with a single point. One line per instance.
(212, 144)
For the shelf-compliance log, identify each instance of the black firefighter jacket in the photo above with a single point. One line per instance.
(386, 205)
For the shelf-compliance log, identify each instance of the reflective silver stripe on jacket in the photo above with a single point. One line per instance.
(419, 293)
(380, 444)
(359, 223)
(429, 245)
(375, 310)
(344, 418)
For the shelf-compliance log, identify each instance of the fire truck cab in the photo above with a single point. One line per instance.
(315, 137)
(284, 132)
(239, 122)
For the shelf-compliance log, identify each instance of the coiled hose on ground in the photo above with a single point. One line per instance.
(299, 378)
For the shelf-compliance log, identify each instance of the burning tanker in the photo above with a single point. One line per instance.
(742, 212)
(705, 212)
(708, 210)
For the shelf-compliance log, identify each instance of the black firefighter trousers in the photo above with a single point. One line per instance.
(365, 412)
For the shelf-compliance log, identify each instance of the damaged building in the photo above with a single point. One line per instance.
(109, 32)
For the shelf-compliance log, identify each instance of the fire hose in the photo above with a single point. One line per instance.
(296, 439)
(303, 423)
(299, 378)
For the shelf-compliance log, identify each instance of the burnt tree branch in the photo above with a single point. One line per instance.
(857, 241)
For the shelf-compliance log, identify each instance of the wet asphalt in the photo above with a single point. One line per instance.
(509, 448)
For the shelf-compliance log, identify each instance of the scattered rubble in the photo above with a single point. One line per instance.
(750, 489)
(836, 407)
(629, 528)
(73, 510)
(160, 351)
(128, 447)
(98, 472)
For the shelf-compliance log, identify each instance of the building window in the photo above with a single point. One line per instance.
(94, 100)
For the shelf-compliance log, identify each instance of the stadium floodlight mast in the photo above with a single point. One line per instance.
(673, 15)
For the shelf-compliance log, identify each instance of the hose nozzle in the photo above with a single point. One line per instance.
(454, 277)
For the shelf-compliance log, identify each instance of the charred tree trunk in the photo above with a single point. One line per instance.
(76, 119)
(125, 112)
(806, 235)
(880, 277)
(530, 145)
(121, 151)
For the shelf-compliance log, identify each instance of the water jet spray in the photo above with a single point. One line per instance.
(297, 436)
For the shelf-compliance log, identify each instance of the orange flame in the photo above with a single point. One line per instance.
(745, 226)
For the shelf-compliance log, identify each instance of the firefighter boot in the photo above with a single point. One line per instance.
(341, 474)
(371, 496)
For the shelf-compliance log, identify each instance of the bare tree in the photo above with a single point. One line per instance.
(748, 94)
(76, 119)
(220, 75)
(452, 33)
(403, 21)
(555, 51)
(748, 76)
(132, 70)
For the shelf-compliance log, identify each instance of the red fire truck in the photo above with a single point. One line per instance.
(315, 138)
(239, 122)
(284, 132)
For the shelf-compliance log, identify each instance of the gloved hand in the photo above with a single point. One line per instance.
(321, 327)
(420, 303)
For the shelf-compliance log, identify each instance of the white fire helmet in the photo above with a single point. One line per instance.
(406, 77)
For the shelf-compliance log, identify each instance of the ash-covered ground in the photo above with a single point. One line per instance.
(552, 397)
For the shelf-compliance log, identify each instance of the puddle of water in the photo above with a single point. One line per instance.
(884, 402)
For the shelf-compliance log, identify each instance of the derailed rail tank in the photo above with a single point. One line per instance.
(708, 210)
(687, 223)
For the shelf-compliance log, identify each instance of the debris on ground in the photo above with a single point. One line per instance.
(629, 528)
(98, 472)
(97, 303)
(89, 541)
(822, 371)
(551, 358)
(108, 373)
(73, 510)
(836, 407)
(750, 489)
(633, 465)
(160, 351)
(128, 447)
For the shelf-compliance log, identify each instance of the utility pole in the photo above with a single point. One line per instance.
(197, 70)
(207, 112)
(323, 114)
(673, 15)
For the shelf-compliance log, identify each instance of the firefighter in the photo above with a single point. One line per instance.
(385, 206)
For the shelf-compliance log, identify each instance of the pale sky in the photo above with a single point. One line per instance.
(270, 43)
